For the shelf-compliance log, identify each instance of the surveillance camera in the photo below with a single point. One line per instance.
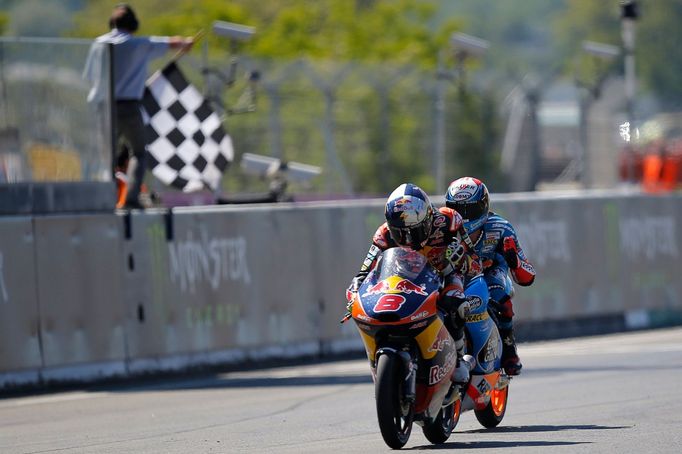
(266, 166)
(469, 44)
(233, 31)
(605, 51)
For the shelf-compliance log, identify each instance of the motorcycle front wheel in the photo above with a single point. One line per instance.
(493, 413)
(440, 429)
(395, 416)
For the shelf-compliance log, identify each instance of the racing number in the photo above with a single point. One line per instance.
(389, 303)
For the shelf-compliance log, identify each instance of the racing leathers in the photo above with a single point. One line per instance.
(501, 255)
(445, 231)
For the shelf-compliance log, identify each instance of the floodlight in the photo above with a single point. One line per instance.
(265, 166)
(469, 44)
(234, 31)
(605, 51)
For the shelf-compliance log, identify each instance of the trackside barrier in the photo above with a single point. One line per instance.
(115, 295)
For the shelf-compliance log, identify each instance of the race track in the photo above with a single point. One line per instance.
(608, 394)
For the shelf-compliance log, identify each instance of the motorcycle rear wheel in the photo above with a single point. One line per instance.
(439, 431)
(395, 416)
(493, 413)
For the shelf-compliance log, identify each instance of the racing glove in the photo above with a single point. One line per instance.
(354, 287)
(510, 253)
(454, 253)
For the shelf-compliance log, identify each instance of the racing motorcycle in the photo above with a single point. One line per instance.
(488, 387)
(412, 355)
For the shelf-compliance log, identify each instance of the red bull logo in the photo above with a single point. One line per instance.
(395, 284)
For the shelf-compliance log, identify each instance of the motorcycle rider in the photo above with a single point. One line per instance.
(495, 242)
(412, 221)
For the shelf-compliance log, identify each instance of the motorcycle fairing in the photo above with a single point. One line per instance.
(484, 339)
(479, 390)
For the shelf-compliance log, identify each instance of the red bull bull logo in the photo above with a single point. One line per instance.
(395, 284)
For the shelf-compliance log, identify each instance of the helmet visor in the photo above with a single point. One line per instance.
(414, 236)
(469, 211)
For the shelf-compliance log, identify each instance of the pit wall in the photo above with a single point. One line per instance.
(87, 297)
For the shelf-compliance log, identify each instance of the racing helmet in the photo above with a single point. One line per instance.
(409, 216)
(469, 197)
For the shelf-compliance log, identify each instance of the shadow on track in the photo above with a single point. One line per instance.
(543, 428)
(217, 382)
(498, 444)
(517, 443)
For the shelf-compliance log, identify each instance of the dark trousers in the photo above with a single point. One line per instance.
(131, 139)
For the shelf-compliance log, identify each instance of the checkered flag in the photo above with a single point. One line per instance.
(188, 147)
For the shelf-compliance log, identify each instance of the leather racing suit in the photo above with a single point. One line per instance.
(501, 255)
(446, 229)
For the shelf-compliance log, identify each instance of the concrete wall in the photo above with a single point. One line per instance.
(91, 296)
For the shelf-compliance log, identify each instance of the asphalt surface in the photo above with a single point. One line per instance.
(608, 394)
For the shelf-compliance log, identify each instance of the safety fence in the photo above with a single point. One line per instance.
(48, 129)
(84, 297)
(346, 117)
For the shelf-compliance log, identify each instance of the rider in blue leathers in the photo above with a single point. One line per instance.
(496, 244)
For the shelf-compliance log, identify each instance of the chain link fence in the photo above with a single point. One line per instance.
(48, 131)
(369, 127)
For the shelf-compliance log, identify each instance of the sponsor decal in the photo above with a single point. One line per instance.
(491, 347)
(489, 242)
(476, 317)
(527, 266)
(201, 261)
(394, 284)
(492, 235)
(483, 387)
(419, 325)
(475, 302)
(420, 315)
(437, 373)
(438, 221)
(442, 340)
(363, 317)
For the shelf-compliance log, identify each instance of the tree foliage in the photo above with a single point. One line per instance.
(381, 110)
(398, 31)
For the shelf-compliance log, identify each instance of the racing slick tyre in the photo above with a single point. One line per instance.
(493, 413)
(395, 416)
(440, 429)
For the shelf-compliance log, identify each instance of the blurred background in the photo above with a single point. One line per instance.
(525, 94)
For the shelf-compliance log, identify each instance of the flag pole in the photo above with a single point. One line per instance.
(197, 37)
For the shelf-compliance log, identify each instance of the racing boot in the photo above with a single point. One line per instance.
(510, 359)
(460, 376)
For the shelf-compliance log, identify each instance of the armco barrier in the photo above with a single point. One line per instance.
(126, 294)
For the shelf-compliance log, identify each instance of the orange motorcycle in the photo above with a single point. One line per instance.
(412, 355)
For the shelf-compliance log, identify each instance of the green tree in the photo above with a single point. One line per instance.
(383, 131)
(3, 23)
